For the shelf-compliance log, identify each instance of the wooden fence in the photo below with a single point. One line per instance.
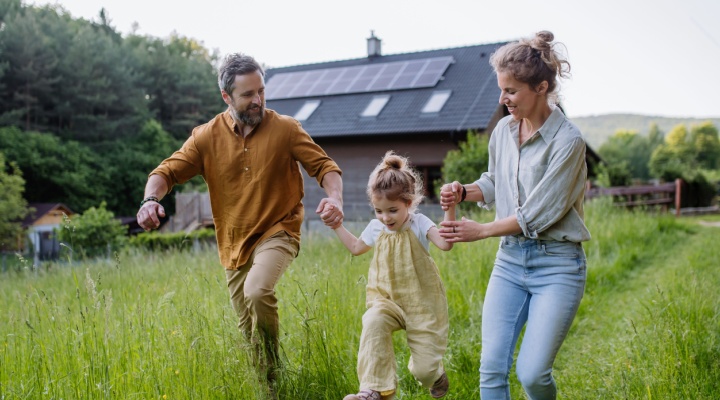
(662, 195)
(192, 211)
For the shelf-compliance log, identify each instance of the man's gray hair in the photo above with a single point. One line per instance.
(236, 64)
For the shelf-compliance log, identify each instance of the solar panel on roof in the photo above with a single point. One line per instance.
(410, 74)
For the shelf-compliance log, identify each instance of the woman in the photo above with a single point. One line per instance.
(536, 181)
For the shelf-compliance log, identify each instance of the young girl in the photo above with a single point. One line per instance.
(404, 289)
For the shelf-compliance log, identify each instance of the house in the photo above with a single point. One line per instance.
(41, 225)
(420, 105)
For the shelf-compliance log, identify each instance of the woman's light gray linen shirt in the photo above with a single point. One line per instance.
(541, 182)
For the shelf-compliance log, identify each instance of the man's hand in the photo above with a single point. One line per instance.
(148, 217)
(331, 213)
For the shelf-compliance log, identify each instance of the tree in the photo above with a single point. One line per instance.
(30, 75)
(13, 208)
(179, 80)
(627, 147)
(683, 151)
(56, 171)
(691, 156)
(614, 174)
(704, 139)
(101, 100)
(129, 163)
(8, 7)
(655, 136)
(93, 233)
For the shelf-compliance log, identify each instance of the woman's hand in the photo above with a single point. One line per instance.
(465, 230)
(450, 194)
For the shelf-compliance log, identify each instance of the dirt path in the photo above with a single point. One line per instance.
(706, 223)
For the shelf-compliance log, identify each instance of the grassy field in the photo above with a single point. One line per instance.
(160, 326)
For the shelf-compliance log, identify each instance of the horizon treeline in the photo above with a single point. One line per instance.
(86, 113)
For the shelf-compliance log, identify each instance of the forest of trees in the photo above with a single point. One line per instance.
(86, 113)
(691, 154)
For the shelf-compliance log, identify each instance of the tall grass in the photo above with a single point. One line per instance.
(160, 325)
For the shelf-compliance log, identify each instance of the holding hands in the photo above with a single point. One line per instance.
(450, 194)
(331, 213)
(463, 230)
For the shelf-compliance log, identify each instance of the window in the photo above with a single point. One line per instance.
(430, 175)
(306, 110)
(375, 106)
(436, 101)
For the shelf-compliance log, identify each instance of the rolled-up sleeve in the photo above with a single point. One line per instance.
(181, 165)
(312, 157)
(486, 183)
(557, 192)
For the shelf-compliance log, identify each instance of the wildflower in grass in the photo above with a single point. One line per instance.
(67, 223)
(91, 288)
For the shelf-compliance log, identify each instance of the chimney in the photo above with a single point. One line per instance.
(373, 45)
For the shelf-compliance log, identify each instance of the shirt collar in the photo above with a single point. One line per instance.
(548, 129)
(230, 121)
(234, 125)
(552, 125)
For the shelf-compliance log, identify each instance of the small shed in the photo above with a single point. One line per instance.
(41, 225)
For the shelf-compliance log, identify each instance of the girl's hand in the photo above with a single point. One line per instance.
(450, 194)
(330, 212)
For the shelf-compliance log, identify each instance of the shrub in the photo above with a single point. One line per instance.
(94, 233)
(13, 207)
(467, 163)
(166, 241)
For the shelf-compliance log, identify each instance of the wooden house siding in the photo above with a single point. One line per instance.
(357, 157)
(54, 217)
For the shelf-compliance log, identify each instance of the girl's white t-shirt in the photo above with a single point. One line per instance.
(419, 225)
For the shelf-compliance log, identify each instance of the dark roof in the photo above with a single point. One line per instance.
(473, 102)
(40, 210)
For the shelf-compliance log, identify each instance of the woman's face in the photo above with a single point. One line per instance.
(519, 98)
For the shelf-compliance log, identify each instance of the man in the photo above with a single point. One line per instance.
(248, 156)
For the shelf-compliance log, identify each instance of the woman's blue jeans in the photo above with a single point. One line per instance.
(538, 283)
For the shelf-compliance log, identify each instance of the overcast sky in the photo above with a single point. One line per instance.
(650, 57)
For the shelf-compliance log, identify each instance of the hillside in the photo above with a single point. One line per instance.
(597, 128)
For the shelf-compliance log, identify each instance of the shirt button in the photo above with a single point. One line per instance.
(246, 168)
(246, 149)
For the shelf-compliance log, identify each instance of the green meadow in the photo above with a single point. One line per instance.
(160, 326)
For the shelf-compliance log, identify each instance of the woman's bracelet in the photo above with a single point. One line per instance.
(149, 198)
(464, 193)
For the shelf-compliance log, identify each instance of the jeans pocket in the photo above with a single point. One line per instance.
(561, 249)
